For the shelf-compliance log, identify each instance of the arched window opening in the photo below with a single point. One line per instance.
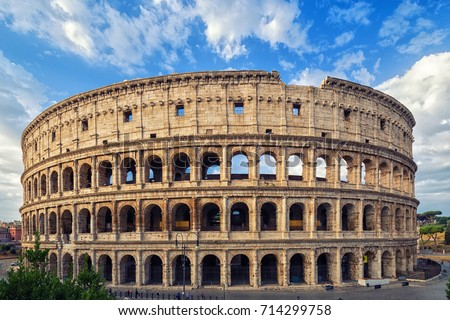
(67, 267)
(268, 217)
(267, 167)
(369, 218)
(239, 167)
(367, 172)
(210, 166)
(35, 187)
(54, 182)
(239, 217)
(128, 171)
(182, 265)
(343, 170)
(41, 224)
(324, 221)
(406, 182)
(66, 222)
(52, 223)
(240, 270)
(349, 218)
(181, 167)
(349, 267)
(400, 268)
(153, 270)
(408, 221)
(383, 175)
(210, 270)
(85, 176)
(323, 268)
(105, 267)
(84, 221)
(53, 263)
(154, 169)
(269, 270)
(369, 265)
(105, 174)
(385, 219)
(296, 269)
(127, 219)
(182, 221)
(296, 217)
(398, 220)
(153, 218)
(104, 220)
(84, 261)
(43, 185)
(68, 179)
(127, 270)
(397, 178)
(295, 167)
(321, 169)
(210, 217)
(387, 265)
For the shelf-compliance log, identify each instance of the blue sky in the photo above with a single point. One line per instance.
(50, 50)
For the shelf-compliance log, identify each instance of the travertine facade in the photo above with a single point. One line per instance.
(282, 184)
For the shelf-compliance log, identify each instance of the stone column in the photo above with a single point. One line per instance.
(338, 276)
(253, 218)
(58, 223)
(75, 223)
(338, 218)
(115, 268)
(116, 171)
(166, 270)
(195, 216)
(94, 176)
(60, 178)
(312, 267)
(76, 177)
(93, 221)
(225, 166)
(139, 276)
(224, 217)
(166, 216)
(378, 262)
(282, 163)
(283, 218)
(255, 277)
(46, 231)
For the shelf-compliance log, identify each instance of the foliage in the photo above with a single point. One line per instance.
(442, 220)
(448, 289)
(428, 217)
(447, 234)
(431, 231)
(32, 281)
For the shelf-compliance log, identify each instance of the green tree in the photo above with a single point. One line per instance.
(448, 289)
(431, 231)
(447, 234)
(32, 281)
(442, 220)
(427, 217)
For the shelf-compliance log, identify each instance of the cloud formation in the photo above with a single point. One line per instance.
(358, 12)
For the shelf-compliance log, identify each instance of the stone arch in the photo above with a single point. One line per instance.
(181, 217)
(210, 218)
(153, 169)
(239, 166)
(210, 166)
(268, 216)
(153, 218)
(295, 167)
(105, 174)
(210, 270)
(68, 179)
(324, 217)
(35, 187)
(369, 218)
(367, 169)
(127, 270)
(397, 178)
(267, 166)
(240, 270)
(385, 219)
(181, 167)
(408, 220)
(67, 266)
(84, 221)
(52, 223)
(323, 268)
(105, 267)
(42, 224)
(84, 260)
(239, 217)
(406, 182)
(399, 220)
(383, 175)
(66, 222)
(344, 175)
(369, 265)
(321, 168)
(297, 269)
(128, 171)
(408, 261)
(387, 265)
(127, 219)
(43, 185)
(104, 220)
(296, 212)
(349, 267)
(85, 176)
(177, 266)
(153, 267)
(269, 269)
(400, 267)
(53, 263)
(54, 182)
(349, 218)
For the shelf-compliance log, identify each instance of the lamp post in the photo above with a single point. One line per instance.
(183, 253)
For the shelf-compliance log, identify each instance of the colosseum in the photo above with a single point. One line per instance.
(226, 179)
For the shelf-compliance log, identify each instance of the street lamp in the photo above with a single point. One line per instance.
(183, 253)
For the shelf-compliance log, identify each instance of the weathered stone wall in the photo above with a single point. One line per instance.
(105, 175)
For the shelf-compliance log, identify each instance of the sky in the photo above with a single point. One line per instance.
(51, 50)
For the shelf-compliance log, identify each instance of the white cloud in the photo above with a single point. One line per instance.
(314, 77)
(358, 12)
(286, 65)
(348, 60)
(21, 98)
(273, 21)
(344, 38)
(425, 90)
(422, 40)
(363, 76)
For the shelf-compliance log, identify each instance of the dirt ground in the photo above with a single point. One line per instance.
(435, 257)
